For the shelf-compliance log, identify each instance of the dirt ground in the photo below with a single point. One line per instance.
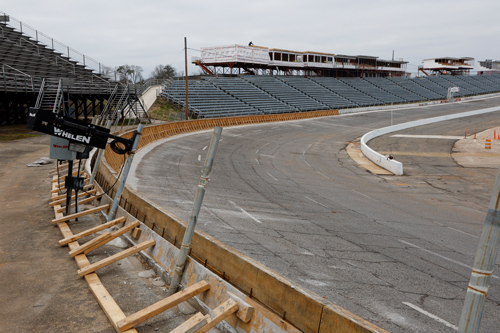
(40, 290)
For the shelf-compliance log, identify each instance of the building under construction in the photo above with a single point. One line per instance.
(257, 60)
(447, 65)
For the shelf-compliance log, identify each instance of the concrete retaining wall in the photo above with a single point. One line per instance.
(397, 167)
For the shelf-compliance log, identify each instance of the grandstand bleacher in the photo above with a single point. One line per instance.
(212, 96)
(31, 69)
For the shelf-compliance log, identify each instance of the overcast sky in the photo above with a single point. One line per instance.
(151, 32)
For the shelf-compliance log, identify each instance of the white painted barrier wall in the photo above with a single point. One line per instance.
(397, 167)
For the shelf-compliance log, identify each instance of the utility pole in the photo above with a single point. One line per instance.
(186, 71)
(483, 266)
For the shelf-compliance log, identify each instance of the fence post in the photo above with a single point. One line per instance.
(483, 266)
(188, 234)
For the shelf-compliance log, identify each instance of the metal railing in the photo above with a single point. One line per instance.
(40, 95)
(40, 37)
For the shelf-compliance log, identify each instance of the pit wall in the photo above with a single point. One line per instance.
(397, 167)
(296, 306)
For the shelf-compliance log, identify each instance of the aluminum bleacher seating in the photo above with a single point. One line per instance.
(394, 89)
(285, 93)
(412, 86)
(318, 92)
(441, 91)
(250, 94)
(372, 90)
(456, 81)
(206, 100)
(346, 91)
(482, 82)
(437, 79)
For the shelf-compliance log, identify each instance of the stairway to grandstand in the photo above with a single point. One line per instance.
(251, 95)
(319, 93)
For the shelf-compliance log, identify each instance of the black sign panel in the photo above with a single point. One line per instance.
(68, 128)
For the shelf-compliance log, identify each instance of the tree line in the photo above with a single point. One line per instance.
(132, 74)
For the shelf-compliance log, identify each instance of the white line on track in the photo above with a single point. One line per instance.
(270, 156)
(256, 160)
(323, 175)
(205, 147)
(440, 256)
(245, 212)
(304, 154)
(463, 232)
(428, 314)
(307, 163)
(257, 151)
(272, 176)
(317, 202)
(364, 195)
(199, 157)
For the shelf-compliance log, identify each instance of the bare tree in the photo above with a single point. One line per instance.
(130, 73)
(163, 72)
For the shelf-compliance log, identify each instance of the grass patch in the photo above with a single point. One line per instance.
(163, 110)
(4, 137)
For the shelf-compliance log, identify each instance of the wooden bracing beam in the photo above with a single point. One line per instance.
(80, 202)
(162, 305)
(113, 235)
(120, 255)
(91, 231)
(89, 244)
(191, 325)
(74, 216)
(219, 314)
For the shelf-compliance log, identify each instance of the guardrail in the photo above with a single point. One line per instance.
(295, 305)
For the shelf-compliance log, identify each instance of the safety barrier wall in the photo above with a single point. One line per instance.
(301, 308)
(397, 167)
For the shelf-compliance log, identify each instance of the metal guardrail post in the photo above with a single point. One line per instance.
(123, 179)
(484, 264)
(188, 234)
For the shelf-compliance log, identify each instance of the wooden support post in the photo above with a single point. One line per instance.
(245, 310)
(162, 305)
(58, 199)
(219, 314)
(85, 212)
(91, 231)
(89, 244)
(113, 235)
(191, 325)
(80, 202)
(120, 255)
(136, 233)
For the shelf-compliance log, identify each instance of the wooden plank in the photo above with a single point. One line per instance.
(165, 304)
(85, 212)
(62, 177)
(192, 324)
(91, 231)
(89, 244)
(81, 202)
(245, 310)
(59, 199)
(103, 297)
(219, 314)
(136, 233)
(116, 257)
(113, 235)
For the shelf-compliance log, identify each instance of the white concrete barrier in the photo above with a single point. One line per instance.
(397, 167)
